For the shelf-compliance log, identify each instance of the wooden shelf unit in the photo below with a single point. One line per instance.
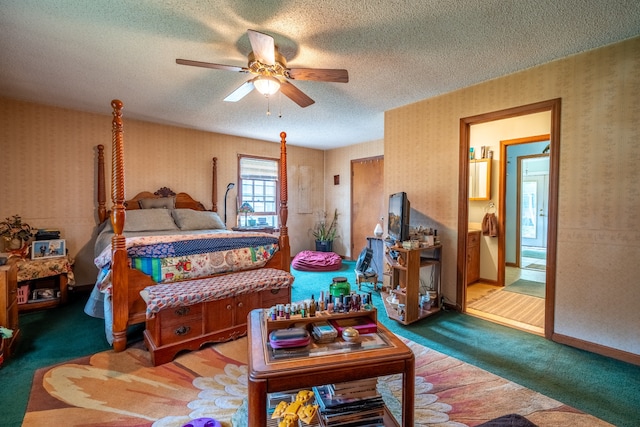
(404, 272)
(9, 304)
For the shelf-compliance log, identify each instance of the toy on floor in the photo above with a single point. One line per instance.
(203, 422)
(297, 410)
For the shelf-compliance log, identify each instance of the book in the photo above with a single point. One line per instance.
(329, 404)
(363, 324)
(365, 388)
(355, 384)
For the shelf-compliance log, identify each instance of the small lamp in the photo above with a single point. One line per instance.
(229, 187)
(245, 208)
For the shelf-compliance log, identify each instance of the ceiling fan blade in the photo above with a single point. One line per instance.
(210, 65)
(264, 48)
(240, 92)
(295, 94)
(318, 74)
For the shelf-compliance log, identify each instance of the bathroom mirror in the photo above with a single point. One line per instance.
(480, 179)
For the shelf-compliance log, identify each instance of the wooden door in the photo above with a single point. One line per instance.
(368, 203)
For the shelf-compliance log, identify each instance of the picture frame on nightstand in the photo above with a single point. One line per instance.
(42, 249)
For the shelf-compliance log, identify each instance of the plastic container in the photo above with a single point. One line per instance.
(23, 294)
(339, 287)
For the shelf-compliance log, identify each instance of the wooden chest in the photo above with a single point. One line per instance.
(189, 327)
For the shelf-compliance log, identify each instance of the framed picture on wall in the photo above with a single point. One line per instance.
(48, 249)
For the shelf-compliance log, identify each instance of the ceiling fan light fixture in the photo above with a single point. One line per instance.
(267, 85)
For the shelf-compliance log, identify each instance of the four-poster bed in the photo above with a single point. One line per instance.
(132, 274)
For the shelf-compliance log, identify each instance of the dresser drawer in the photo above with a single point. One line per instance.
(172, 316)
(180, 331)
(473, 238)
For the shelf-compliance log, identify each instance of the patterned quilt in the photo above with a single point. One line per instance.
(176, 257)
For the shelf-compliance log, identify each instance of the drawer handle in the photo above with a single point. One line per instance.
(275, 291)
(181, 311)
(229, 307)
(240, 304)
(182, 330)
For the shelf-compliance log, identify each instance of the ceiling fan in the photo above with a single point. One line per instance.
(270, 71)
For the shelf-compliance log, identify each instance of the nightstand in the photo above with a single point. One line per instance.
(44, 283)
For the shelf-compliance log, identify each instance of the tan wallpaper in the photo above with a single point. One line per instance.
(48, 176)
(597, 296)
(338, 162)
(49, 170)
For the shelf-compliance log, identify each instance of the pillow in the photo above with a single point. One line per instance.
(157, 203)
(149, 220)
(188, 219)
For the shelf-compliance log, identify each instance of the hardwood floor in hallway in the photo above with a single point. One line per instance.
(480, 289)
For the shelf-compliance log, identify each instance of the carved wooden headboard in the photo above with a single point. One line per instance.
(182, 200)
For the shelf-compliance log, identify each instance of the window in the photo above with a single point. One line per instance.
(258, 182)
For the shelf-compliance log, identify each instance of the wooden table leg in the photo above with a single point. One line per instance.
(64, 282)
(409, 384)
(257, 403)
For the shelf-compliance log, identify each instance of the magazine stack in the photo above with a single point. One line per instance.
(350, 404)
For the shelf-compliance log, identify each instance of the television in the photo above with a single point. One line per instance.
(398, 225)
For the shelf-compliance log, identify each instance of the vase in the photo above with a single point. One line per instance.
(12, 244)
(324, 246)
(378, 230)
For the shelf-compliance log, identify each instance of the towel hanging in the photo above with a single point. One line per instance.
(490, 225)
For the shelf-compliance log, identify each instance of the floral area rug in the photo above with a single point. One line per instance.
(124, 389)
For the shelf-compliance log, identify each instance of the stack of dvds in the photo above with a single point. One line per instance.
(351, 404)
(323, 332)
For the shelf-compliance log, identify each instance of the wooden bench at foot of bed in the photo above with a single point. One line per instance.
(185, 315)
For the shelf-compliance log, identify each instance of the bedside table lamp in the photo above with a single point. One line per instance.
(245, 208)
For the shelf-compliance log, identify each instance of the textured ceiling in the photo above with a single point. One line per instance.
(81, 54)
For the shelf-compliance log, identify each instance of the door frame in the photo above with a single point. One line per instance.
(503, 200)
(519, 238)
(553, 106)
(374, 194)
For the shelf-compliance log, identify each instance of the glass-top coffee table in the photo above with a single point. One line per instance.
(378, 356)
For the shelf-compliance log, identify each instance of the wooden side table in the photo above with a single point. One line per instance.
(268, 376)
(46, 279)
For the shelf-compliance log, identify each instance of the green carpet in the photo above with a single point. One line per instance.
(603, 387)
(527, 287)
(534, 253)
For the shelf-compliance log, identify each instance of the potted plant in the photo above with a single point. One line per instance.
(325, 233)
(15, 233)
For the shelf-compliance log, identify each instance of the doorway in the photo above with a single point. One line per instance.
(553, 109)
(367, 201)
(533, 192)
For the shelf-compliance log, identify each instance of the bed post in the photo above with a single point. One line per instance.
(119, 270)
(284, 210)
(214, 183)
(102, 198)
